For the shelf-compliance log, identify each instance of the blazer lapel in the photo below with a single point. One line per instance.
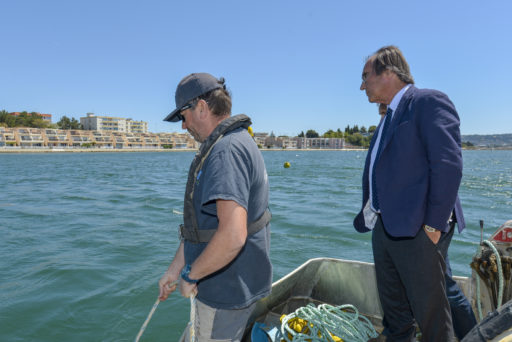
(399, 112)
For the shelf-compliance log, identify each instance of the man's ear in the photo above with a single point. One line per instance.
(202, 106)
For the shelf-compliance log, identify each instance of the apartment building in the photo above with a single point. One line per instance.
(136, 126)
(320, 143)
(259, 138)
(114, 124)
(23, 137)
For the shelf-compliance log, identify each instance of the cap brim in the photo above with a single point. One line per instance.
(173, 116)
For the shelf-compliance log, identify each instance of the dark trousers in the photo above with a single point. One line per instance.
(411, 285)
(463, 317)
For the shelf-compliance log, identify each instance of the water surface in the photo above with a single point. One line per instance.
(85, 237)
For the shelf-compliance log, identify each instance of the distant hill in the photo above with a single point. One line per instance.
(490, 140)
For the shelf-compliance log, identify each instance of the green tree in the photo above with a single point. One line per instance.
(301, 135)
(3, 118)
(467, 144)
(372, 129)
(356, 139)
(329, 134)
(75, 124)
(311, 134)
(64, 123)
(39, 123)
(67, 123)
(10, 121)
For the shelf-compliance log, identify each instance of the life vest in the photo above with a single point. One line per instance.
(189, 230)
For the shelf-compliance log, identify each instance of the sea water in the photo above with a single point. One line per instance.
(85, 237)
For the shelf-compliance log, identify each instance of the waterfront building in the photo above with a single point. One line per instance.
(259, 138)
(320, 143)
(109, 123)
(287, 142)
(48, 138)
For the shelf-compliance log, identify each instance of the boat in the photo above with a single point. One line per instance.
(339, 282)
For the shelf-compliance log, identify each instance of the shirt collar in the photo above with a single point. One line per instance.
(396, 99)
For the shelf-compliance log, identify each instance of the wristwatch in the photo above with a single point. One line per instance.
(184, 275)
(429, 229)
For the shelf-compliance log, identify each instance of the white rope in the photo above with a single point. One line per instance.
(192, 317)
(153, 309)
(145, 324)
(343, 321)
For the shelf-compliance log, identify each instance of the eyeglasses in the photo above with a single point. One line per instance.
(185, 107)
(365, 76)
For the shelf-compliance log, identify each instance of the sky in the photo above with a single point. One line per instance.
(290, 65)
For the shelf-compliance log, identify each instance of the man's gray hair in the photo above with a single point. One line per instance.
(391, 58)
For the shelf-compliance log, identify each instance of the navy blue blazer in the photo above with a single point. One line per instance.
(420, 167)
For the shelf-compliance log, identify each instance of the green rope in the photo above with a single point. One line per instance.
(343, 321)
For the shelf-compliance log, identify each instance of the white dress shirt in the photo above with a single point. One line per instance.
(393, 105)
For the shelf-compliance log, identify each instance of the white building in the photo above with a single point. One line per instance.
(108, 123)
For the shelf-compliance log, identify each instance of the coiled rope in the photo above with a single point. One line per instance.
(326, 321)
(500, 279)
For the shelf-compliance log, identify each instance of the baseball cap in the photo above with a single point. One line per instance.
(189, 88)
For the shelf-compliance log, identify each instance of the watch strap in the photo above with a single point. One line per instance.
(184, 275)
(429, 228)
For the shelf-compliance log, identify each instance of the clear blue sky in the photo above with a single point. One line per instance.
(291, 65)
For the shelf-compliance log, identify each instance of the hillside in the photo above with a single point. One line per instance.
(490, 140)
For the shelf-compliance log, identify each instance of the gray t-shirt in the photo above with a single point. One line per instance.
(235, 171)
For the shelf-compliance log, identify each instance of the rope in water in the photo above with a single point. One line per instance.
(145, 324)
(153, 309)
(343, 321)
(500, 279)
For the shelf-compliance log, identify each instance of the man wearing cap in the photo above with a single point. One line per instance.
(410, 198)
(223, 257)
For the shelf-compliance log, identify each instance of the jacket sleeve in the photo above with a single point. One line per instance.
(440, 133)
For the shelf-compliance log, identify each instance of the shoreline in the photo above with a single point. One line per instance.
(90, 150)
(127, 150)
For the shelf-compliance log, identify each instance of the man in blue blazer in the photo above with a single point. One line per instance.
(410, 183)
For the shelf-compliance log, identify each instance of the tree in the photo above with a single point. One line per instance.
(363, 130)
(312, 134)
(329, 134)
(355, 139)
(3, 116)
(75, 124)
(372, 129)
(301, 135)
(67, 123)
(64, 123)
(39, 123)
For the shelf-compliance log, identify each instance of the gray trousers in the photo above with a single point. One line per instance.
(217, 325)
(411, 286)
